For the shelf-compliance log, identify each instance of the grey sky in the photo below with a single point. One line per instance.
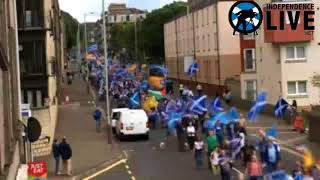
(78, 7)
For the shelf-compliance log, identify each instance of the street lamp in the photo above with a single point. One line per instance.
(85, 30)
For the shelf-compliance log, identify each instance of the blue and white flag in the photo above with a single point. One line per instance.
(258, 106)
(281, 107)
(216, 105)
(193, 69)
(93, 48)
(222, 117)
(173, 119)
(162, 69)
(198, 105)
(272, 132)
(233, 113)
(135, 100)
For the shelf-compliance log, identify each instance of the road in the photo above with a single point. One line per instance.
(146, 161)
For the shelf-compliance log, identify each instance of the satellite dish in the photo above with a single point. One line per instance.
(33, 129)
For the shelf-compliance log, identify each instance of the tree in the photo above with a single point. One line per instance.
(71, 29)
(150, 33)
(152, 30)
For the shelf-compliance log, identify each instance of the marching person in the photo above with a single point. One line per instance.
(262, 144)
(272, 155)
(198, 152)
(66, 154)
(212, 144)
(97, 117)
(56, 156)
(298, 124)
(225, 166)
(181, 88)
(254, 169)
(181, 136)
(191, 133)
(219, 133)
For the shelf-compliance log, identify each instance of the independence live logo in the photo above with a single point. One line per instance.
(246, 16)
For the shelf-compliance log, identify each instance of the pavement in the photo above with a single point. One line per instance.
(91, 150)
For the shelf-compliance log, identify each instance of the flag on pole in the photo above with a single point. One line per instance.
(157, 94)
(273, 131)
(216, 105)
(258, 106)
(281, 107)
(198, 105)
(135, 100)
(193, 69)
(93, 47)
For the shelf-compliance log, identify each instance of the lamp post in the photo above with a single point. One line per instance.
(106, 72)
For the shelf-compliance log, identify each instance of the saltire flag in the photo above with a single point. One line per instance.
(258, 106)
(173, 119)
(93, 47)
(223, 117)
(272, 132)
(298, 177)
(216, 105)
(198, 105)
(233, 113)
(193, 69)
(210, 124)
(162, 69)
(281, 107)
(144, 85)
(135, 100)
(158, 94)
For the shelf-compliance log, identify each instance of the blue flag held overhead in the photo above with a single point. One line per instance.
(199, 105)
(135, 100)
(258, 106)
(281, 107)
(193, 69)
(233, 113)
(273, 131)
(93, 47)
(216, 105)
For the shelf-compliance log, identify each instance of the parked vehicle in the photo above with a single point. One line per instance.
(132, 122)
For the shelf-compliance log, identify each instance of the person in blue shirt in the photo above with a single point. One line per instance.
(97, 117)
(272, 155)
(219, 132)
(56, 156)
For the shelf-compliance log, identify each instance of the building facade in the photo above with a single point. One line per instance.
(283, 62)
(205, 35)
(41, 54)
(120, 13)
(10, 134)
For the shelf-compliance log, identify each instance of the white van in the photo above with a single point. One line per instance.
(115, 116)
(132, 122)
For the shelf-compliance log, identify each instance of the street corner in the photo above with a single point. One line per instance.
(104, 167)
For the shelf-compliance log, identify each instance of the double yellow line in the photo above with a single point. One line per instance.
(122, 161)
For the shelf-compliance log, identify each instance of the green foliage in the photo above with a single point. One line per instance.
(71, 29)
(150, 33)
(152, 29)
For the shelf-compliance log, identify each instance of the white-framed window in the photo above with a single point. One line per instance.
(293, 17)
(249, 59)
(250, 89)
(295, 53)
(297, 88)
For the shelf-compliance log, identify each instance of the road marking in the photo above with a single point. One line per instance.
(125, 154)
(133, 178)
(122, 161)
(264, 127)
(294, 139)
(238, 171)
(129, 172)
(127, 167)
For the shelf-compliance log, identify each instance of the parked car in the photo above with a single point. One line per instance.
(132, 122)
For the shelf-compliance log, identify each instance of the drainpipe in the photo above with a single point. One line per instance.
(218, 48)
(22, 143)
(177, 51)
(194, 42)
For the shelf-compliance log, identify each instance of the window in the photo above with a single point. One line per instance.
(249, 58)
(295, 53)
(33, 58)
(127, 18)
(251, 89)
(297, 87)
(293, 17)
